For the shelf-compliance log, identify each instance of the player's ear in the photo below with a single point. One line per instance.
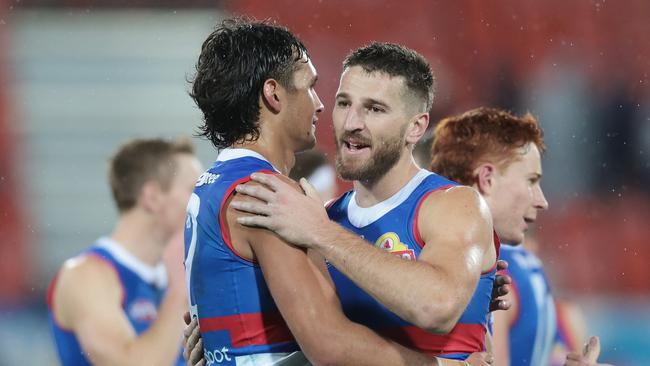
(271, 91)
(150, 198)
(417, 128)
(484, 175)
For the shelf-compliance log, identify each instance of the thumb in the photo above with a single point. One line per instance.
(592, 349)
(310, 191)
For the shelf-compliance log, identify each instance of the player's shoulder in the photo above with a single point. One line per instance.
(255, 184)
(87, 271)
(453, 197)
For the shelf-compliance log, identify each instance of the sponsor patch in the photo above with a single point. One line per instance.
(391, 243)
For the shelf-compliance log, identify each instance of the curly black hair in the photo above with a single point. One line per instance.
(396, 60)
(236, 59)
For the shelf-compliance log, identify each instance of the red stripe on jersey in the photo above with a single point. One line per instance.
(253, 329)
(563, 328)
(225, 231)
(416, 228)
(464, 338)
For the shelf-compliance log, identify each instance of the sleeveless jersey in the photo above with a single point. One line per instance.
(533, 333)
(143, 289)
(239, 321)
(392, 226)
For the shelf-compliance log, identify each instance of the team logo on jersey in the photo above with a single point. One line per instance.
(143, 310)
(390, 242)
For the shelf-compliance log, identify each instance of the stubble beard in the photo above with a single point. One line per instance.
(383, 158)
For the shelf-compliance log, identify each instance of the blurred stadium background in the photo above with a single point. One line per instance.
(79, 77)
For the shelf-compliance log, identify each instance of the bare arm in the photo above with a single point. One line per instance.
(433, 292)
(308, 302)
(88, 300)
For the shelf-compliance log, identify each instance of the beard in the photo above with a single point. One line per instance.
(384, 156)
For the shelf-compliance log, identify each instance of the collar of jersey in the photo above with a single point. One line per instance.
(236, 153)
(362, 216)
(154, 275)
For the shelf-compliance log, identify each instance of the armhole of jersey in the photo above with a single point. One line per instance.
(415, 226)
(225, 231)
(50, 302)
(497, 248)
(52, 288)
(117, 274)
(517, 295)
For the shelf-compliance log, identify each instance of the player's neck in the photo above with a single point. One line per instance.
(281, 156)
(370, 193)
(137, 233)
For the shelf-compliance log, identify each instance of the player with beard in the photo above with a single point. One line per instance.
(260, 301)
(423, 275)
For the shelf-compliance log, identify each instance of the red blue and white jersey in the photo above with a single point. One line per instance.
(239, 320)
(392, 225)
(534, 330)
(143, 288)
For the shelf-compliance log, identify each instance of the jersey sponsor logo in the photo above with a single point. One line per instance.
(143, 310)
(216, 355)
(391, 243)
(206, 178)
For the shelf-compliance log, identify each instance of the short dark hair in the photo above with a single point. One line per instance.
(462, 142)
(139, 161)
(236, 59)
(396, 60)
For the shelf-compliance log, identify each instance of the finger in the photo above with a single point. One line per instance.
(260, 192)
(574, 356)
(592, 349)
(269, 180)
(256, 208)
(189, 328)
(194, 338)
(503, 290)
(309, 190)
(197, 353)
(503, 279)
(501, 305)
(187, 318)
(502, 264)
(201, 363)
(255, 221)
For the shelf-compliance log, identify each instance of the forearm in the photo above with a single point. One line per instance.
(160, 344)
(358, 345)
(415, 291)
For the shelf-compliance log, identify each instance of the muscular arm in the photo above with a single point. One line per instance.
(88, 300)
(308, 302)
(432, 293)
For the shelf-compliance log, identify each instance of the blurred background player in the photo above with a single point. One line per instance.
(117, 303)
